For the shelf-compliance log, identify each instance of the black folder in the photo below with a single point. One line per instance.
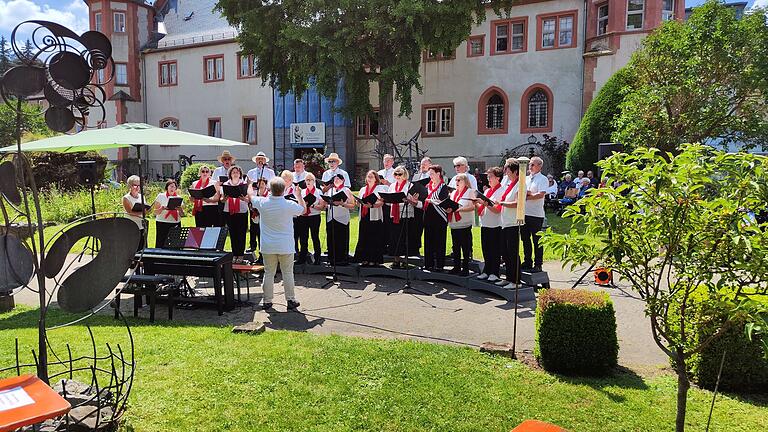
(174, 203)
(205, 192)
(393, 197)
(424, 182)
(291, 197)
(223, 179)
(449, 204)
(370, 199)
(310, 199)
(137, 207)
(486, 201)
(302, 184)
(338, 196)
(418, 189)
(236, 191)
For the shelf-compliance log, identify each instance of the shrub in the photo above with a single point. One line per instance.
(597, 125)
(576, 332)
(190, 174)
(59, 170)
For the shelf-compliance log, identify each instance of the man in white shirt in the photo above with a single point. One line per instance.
(333, 160)
(388, 173)
(423, 169)
(299, 173)
(536, 185)
(277, 244)
(462, 167)
(261, 170)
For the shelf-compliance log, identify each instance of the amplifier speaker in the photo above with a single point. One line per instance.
(89, 172)
(605, 150)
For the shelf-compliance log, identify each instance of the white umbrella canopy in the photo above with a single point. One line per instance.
(124, 135)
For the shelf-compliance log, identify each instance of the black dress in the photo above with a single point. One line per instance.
(370, 242)
(435, 230)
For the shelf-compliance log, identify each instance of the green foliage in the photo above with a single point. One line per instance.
(702, 80)
(32, 122)
(190, 174)
(673, 225)
(597, 125)
(59, 170)
(576, 332)
(5, 55)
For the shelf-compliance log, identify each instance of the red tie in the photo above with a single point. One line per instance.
(395, 210)
(489, 193)
(198, 202)
(175, 212)
(364, 210)
(456, 197)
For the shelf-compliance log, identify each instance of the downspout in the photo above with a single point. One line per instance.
(144, 101)
(583, 51)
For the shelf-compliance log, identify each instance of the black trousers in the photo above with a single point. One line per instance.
(162, 228)
(533, 252)
(207, 217)
(238, 225)
(491, 241)
(221, 219)
(338, 242)
(142, 244)
(370, 242)
(511, 252)
(434, 240)
(386, 227)
(418, 223)
(254, 237)
(309, 225)
(461, 239)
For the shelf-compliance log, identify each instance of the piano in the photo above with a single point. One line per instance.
(205, 263)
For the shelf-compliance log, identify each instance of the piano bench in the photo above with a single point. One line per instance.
(243, 272)
(151, 286)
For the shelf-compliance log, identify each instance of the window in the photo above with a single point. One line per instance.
(119, 22)
(214, 68)
(476, 46)
(368, 125)
(508, 36)
(97, 21)
(437, 120)
(493, 112)
(167, 71)
(247, 65)
(635, 14)
(167, 170)
(536, 109)
(556, 31)
(169, 123)
(121, 74)
(602, 19)
(249, 130)
(668, 10)
(432, 56)
(214, 127)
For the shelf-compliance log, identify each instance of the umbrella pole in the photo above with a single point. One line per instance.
(143, 199)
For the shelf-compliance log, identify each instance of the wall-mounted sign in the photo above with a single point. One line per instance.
(307, 133)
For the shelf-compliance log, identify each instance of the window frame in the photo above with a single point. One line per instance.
(510, 22)
(117, 75)
(160, 65)
(606, 18)
(210, 132)
(557, 16)
(251, 62)
(366, 125)
(255, 130)
(167, 119)
(115, 14)
(481, 38)
(98, 22)
(213, 57)
(671, 12)
(524, 128)
(438, 108)
(642, 17)
(482, 112)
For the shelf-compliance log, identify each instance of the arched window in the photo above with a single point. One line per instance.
(169, 123)
(537, 110)
(493, 112)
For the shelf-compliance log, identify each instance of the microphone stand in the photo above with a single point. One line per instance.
(405, 232)
(334, 279)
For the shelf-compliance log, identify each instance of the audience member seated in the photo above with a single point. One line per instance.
(569, 196)
(550, 199)
(578, 179)
(565, 184)
(593, 181)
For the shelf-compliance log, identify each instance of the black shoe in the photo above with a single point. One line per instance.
(526, 267)
(429, 269)
(464, 272)
(455, 270)
(537, 269)
(267, 306)
(293, 304)
(301, 261)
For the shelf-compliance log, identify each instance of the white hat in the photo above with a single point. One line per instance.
(260, 155)
(226, 154)
(333, 156)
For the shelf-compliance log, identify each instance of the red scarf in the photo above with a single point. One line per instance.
(395, 210)
(234, 203)
(175, 212)
(431, 191)
(198, 202)
(506, 192)
(308, 193)
(488, 193)
(457, 197)
(364, 209)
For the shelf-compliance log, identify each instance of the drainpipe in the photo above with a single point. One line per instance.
(584, 41)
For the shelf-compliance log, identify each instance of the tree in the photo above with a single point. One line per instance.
(678, 228)
(597, 125)
(352, 43)
(5, 55)
(32, 122)
(704, 80)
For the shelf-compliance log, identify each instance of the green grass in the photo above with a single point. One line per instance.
(198, 378)
(557, 223)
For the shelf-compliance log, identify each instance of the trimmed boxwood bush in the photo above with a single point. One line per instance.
(576, 332)
(190, 174)
(597, 124)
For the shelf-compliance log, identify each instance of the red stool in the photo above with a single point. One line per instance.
(537, 426)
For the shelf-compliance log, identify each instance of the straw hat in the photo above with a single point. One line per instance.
(333, 156)
(226, 154)
(260, 155)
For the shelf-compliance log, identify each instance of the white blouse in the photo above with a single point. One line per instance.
(132, 201)
(165, 216)
(243, 205)
(467, 216)
(339, 213)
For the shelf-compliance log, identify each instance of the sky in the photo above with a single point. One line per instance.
(74, 13)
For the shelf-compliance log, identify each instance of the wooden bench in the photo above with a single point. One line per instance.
(151, 286)
(243, 271)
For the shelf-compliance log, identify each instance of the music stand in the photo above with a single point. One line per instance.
(405, 232)
(334, 278)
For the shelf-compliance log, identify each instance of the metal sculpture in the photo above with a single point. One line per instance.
(65, 69)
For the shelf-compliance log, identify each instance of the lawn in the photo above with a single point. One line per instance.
(209, 379)
(557, 223)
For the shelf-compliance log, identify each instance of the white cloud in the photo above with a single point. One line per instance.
(760, 3)
(73, 15)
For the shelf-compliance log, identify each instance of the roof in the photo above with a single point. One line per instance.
(192, 22)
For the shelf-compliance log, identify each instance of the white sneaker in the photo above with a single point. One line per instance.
(509, 286)
(482, 276)
(493, 278)
(501, 282)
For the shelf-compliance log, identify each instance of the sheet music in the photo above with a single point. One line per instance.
(14, 398)
(210, 238)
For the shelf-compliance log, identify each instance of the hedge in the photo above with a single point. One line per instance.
(576, 332)
(597, 124)
(190, 174)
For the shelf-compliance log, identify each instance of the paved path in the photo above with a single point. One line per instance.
(445, 314)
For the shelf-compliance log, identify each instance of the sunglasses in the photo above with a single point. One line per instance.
(205, 171)
(398, 174)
